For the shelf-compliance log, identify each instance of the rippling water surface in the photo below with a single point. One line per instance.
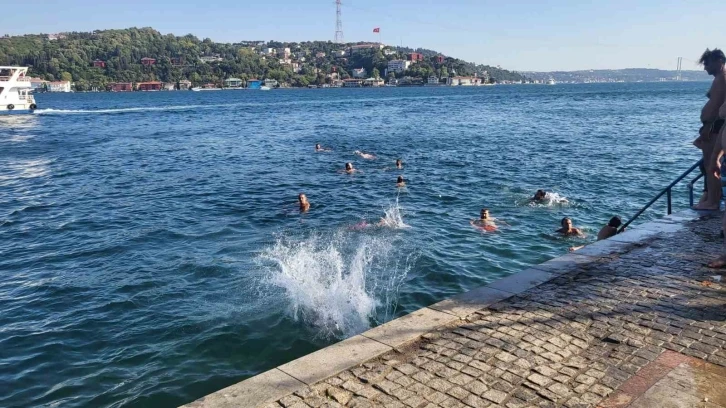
(151, 250)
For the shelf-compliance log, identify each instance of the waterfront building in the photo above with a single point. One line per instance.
(38, 84)
(148, 61)
(185, 84)
(232, 83)
(99, 64)
(463, 81)
(398, 65)
(359, 72)
(272, 83)
(336, 83)
(434, 81)
(169, 86)
(254, 83)
(121, 87)
(59, 86)
(373, 82)
(149, 86)
(352, 83)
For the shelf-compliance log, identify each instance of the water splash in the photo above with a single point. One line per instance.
(393, 217)
(339, 284)
(551, 200)
(122, 110)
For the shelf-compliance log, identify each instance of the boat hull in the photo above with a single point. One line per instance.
(15, 112)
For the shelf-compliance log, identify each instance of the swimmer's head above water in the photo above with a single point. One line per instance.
(303, 200)
(539, 195)
(400, 180)
(399, 164)
(317, 146)
(349, 166)
(615, 222)
(484, 214)
(566, 223)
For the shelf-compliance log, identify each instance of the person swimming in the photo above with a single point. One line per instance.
(399, 164)
(485, 222)
(304, 203)
(539, 196)
(350, 169)
(567, 228)
(611, 229)
(606, 232)
(367, 156)
(400, 182)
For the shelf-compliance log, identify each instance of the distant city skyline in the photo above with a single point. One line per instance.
(522, 35)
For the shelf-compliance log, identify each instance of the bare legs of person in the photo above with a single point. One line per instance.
(713, 181)
(720, 262)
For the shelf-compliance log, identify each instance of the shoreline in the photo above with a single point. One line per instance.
(398, 334)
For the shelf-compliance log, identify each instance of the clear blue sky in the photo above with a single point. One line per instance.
(529, 35)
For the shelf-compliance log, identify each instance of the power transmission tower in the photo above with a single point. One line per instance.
(338, 23)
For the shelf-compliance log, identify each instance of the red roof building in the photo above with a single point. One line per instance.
(99, 64)
(440, 59)
(148, 61)
(415, 56)
(149, 86)
(121, 87)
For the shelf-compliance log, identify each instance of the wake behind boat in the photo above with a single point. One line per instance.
(15, 97)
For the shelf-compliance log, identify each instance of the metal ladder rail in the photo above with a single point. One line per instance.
(667, 191)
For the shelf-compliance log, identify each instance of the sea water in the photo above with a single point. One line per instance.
(152, 251)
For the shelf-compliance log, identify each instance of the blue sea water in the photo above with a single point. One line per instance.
(151, 249)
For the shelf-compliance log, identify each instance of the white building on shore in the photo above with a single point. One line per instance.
(398, 66)
(59, 86)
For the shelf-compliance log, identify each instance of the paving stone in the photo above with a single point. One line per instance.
(539, 379)
(440, 385)
(494, 396)
(289, 400)
(473, 401)
(340, 396)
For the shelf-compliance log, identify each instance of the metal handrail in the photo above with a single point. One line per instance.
(667, 192)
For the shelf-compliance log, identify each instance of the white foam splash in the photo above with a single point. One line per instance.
(393, 217)
(51, 111)
(552, 200)
(338, 284)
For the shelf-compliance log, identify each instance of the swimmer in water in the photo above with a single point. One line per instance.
(319, 148)
(567, 228)
(399, 164)
(400, 182)
(485, 221)
(539, 196)
(349, 169)
(304, 203)
(606, 232)
(367, 156)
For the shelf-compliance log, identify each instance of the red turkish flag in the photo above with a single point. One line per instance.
(377, 30)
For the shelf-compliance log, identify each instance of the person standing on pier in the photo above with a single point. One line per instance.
(713, 63)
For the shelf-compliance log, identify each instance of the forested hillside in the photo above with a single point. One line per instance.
(71, 56)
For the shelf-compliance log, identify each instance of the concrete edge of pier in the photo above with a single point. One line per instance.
(295, 375)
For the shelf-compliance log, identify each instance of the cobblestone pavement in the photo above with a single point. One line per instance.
(570, 342)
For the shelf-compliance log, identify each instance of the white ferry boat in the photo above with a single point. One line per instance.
(15, 97)
(551, 81)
